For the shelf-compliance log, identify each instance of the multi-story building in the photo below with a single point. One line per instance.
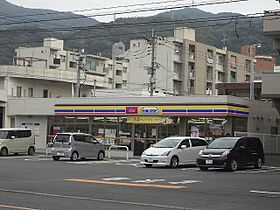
(50, 71)
(262, 63)
(184, 66)
(271, 85)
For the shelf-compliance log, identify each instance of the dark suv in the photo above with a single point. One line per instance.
(231, 153)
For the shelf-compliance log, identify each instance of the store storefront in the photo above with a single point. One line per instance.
(144, 125)
(141, 121)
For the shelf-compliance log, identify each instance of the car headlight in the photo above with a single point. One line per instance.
(200, 153)
(165, 153)
(225, 153)
(144, 153)
(1, 142)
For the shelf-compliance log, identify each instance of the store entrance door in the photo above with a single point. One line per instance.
(145, 136)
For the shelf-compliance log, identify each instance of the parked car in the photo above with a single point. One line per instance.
(231, 153)
(16, 140)
(77, 145)
(173, 151)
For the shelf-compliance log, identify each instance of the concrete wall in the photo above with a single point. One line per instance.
(40, 140)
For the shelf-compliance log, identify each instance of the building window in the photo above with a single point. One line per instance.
(56, 61)
(192, 52)
(221, 77)
(247, 78)
(221, 60)
(19, 89)
(119, 72)
(30, 92)
(209, 73)
(118, 86)
(232, 76)
(192, 70)
(233, 61)
(45, 93)
(124, 83)
(191, 87)
(73, 64)
(124, 69)
(248, 66)
(110, 80)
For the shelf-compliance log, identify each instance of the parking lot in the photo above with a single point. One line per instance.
(38, 182)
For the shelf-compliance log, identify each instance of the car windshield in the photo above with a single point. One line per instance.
(4, 135)
(62, 138)
(167, 143)
(223, 143)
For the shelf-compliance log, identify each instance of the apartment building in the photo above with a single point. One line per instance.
(185, 66)
(51, 72)
(271, 85)
(262, 63)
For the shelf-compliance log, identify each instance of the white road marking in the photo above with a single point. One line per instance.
(265, 192)
(149, 181)
(116, 179)
(256, 171)
(185, 182)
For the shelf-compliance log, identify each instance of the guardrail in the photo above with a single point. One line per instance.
(117, 146)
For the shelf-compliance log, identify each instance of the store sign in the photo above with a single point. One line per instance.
(146, 120)
(150, 110)
(131, 110)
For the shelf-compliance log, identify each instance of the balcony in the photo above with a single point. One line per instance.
(57, 75)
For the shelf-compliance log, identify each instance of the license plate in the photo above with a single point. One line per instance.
(150, 160)
(209, 162)
(60, 154)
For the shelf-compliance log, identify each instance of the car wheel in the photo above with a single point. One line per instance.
(100, 155)
(31, 151)
(74, 156)
(56, 158)
(148, 165)
(4, 151)
(174, 162)
(203, 168)
(233, 165)
(258, 163)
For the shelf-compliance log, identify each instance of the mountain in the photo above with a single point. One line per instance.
(9, 13)
(236, 31)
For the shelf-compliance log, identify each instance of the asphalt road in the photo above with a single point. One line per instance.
(40, 183)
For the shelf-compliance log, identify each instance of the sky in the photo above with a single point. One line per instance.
(252, 6)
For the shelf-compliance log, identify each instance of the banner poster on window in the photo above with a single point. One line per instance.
(216, 130)
(194, 131)
(35, 127)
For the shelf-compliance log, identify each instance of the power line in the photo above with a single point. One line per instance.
(141, 32)
(206, 3)
(118, 25)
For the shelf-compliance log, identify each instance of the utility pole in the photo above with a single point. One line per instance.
(79, 68)
(152, 79)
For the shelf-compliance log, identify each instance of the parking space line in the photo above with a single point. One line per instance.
(125, 184)
(16, 207)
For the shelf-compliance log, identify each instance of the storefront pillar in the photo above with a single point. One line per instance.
(183, 126)
(132, 136)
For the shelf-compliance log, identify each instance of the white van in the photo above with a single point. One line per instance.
(16, 140)
(173, 151)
